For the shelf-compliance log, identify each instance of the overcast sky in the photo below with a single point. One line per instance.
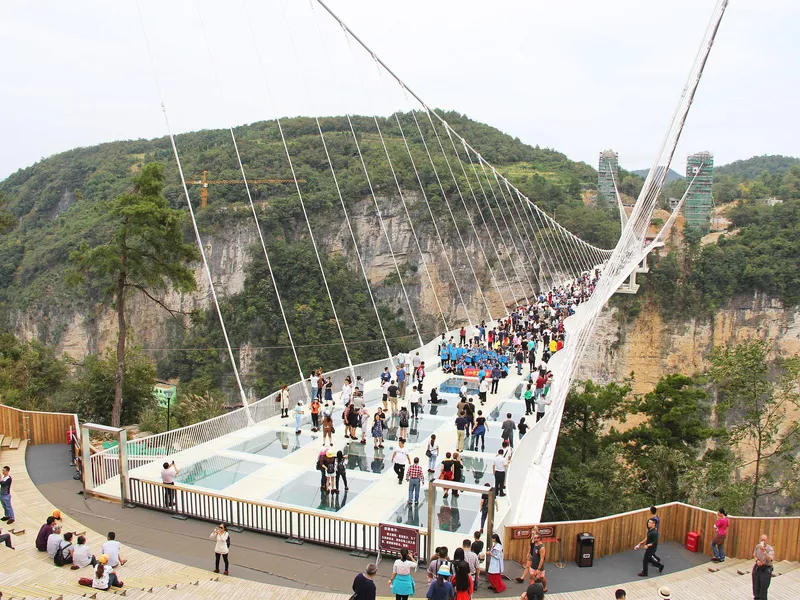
(575, 75)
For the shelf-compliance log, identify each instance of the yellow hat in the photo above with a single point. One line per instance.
(330, 453)
(103, 559)
(57, 514)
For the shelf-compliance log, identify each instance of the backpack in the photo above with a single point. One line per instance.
(58, 559)
(228, 541)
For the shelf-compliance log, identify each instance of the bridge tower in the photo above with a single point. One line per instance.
(607, 172)
(699, 202)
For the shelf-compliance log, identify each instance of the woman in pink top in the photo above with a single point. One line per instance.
(721, 528)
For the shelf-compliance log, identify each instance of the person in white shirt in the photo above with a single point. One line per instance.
(168, 474)
(400, 459)
(221, 537)
(499, 470)
(111, 548)
(82, 557)
(414, 400)
(104, 576)
(53, 540)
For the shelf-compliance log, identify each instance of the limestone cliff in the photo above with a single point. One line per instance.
(650, 347)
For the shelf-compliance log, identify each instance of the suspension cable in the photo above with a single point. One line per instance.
(252, 206)
(199, 240)
(299, 192)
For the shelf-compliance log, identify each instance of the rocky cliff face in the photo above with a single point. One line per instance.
(79, 331)
(649, 347)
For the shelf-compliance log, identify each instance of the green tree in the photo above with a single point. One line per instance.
(677, 412)
(144, 252)
(587, 412)
(757, 412)
(30, 373)
(91, 392)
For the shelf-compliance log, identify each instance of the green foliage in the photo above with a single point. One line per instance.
(588, 479)
(677, 412)
(143, 243)
(30, 373)
(254, 315)
(145, 253)
(674, 454)
(757, 412)
(194, 408)
(90, 392)
(60, 202)
(758, 177)
(764, 256)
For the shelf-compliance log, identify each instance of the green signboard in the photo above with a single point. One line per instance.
(165, 394)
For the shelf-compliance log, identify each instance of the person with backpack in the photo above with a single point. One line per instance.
(63, 555)
(221, 547)
(403, 422)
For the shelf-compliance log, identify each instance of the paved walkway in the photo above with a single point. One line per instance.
(315, 569)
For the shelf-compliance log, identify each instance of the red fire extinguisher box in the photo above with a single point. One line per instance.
(693, 541)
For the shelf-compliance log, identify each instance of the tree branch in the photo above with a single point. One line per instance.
(172, 312)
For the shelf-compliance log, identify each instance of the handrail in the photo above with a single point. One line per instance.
(264, 517)
(39, 427)
(619, 532)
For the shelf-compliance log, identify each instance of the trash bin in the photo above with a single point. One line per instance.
(693, 541)
(584, 555)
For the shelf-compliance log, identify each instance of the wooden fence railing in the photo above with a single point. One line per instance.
(292, 523)
(36, 427)
(618, 533)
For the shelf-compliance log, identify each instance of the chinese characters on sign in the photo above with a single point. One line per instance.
(393, 538)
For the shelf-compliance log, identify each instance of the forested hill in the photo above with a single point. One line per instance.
(753, 167)
(53, 200)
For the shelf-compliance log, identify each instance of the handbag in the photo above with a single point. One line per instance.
(428, 453)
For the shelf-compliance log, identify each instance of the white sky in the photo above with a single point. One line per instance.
(575, 75)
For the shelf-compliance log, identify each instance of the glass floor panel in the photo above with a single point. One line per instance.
(217, 472)
(452, 514)
(441, 410)
(276, 444)
(366, 458)
(452, 385)
(418, 429)
(517, 410)
(305, 491)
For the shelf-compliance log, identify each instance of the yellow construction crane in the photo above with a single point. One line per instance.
(205, 182)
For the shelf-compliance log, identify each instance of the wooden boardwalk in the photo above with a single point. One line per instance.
(27, 573)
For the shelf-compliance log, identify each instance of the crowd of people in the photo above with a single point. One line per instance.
(73, 548)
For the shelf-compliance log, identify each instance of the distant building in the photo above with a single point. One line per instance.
(607, 172)
(699, 203)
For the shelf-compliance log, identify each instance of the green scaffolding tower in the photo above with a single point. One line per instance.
(699, 203)
(607, 171)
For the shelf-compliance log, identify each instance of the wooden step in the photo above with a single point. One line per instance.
(2, 439)
(14, 444)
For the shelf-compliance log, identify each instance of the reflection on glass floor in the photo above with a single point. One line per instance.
(217, 472)
(418, 429)
(366, 458)
(452, 385)
(276, 444)
(305, 491)
(452, 514)
(517, 410)
(441, 410)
